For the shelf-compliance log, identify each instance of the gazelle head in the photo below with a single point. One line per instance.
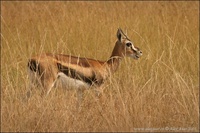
(126, 47)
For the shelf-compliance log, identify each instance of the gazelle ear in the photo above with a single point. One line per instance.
(119, 34)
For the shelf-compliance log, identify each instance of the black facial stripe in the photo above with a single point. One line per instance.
(133, 49)
(137, 49)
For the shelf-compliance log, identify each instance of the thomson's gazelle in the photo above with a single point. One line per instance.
(75, 72)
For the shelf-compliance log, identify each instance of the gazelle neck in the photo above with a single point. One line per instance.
(115, 58)
(113, 63)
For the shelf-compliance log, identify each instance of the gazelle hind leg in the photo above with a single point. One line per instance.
(48, 80)
(33, 81)
(52, 85)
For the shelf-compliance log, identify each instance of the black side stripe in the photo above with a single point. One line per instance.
(77, 75)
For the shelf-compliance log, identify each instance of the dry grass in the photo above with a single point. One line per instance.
(159, 92)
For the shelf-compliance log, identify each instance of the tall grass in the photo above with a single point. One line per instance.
(159, 92)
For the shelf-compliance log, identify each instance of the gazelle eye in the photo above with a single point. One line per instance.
(128, 44)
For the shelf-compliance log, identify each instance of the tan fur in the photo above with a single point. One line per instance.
(47, 67)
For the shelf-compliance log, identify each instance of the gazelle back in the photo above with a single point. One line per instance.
(75, 72)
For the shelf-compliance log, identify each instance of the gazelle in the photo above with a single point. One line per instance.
(76, 72)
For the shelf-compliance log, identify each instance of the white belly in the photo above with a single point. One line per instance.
(70, 83)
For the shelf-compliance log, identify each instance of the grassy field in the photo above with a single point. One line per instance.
(159, 92)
